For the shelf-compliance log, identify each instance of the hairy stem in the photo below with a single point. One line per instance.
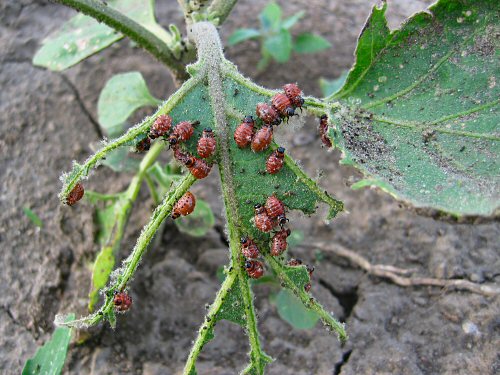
(82, 171)
(206, 328)
(210, 51)
(130, 264)
(151, 228)
(220, 9)
(139, 34)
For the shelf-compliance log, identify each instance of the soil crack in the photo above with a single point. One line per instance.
(346, 299)
(79, 100)
(342, 362)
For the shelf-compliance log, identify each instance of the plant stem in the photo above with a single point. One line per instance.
(136, 32)
(209, 49)
(130, 264)
(80, 171)
(206, 328)
(220, 9)
(150, 229)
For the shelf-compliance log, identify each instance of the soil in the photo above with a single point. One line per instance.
(48, 119)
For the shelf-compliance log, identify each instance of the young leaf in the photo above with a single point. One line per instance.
(49, 359)
(119, 160)
(422, 108)
(328, 87)
(288, 23)
(122, 95)
(82, 36)
(242, 34)
(199, 222)
(279, 46)
(292, 310)
(310, 43)
(270, 17)
(33, 217)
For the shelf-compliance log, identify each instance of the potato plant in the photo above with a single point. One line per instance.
(417, 115)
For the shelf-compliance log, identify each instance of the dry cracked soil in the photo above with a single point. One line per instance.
(48, 119)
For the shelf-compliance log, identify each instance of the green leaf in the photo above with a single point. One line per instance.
(33, 217)
(106, 221)
(291, 310)
(103, 266)
(310, 43)
(328, 87)
(122, 95)
(242, 34)
(422, 108)
(199, 222)
(82, 36)
(288, 23)
(279, 46)
(49, 359)
(270, 17)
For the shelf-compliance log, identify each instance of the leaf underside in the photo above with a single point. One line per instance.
(422, 111)
(252, 184)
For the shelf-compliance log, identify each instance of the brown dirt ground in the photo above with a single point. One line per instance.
(46, 121)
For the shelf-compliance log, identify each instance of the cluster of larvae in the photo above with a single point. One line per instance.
(266, 218)
(282, 107)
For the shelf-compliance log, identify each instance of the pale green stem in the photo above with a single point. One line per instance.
(207, 327)
(126, 138)
(209, 49)
(220, 9)
(130, 264)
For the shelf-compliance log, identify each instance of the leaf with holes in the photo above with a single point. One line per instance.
(217, 96)
(421, 108)
(82, 36)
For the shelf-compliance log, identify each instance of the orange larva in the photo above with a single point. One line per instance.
(248, 248)
(293, 92)
(275, 161)
(262, 138)
(180, 156)
(182, 132)
(283, 105)
(206, 144)
(254, 268)
(278, 242)
(274, 207)
(199, 168)
(267, 114)
(323, 129)
(161, 126)
(262, 220)
(294, 262)
(184, 206)
(75, 194)
(122, 301)
(244, 132)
